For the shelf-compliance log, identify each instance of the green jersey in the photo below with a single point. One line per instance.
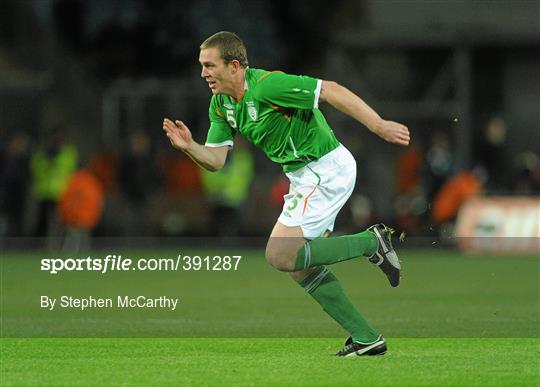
(279, 114)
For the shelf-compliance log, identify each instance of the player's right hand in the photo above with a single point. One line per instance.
(178, 133)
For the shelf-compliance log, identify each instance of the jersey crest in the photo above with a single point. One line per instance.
(252, 111)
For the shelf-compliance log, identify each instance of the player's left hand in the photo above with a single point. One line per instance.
(393, 132)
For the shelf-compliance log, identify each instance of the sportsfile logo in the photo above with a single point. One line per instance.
(113, 262)
(109, 263)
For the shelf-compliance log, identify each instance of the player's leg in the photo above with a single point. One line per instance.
(317, 193)
(375, 243)
(287, 250)
(325, 288)
(293, 253)
(321, 284)
(282, 246)
(327, 251)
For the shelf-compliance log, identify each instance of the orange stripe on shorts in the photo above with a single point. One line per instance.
(307, 198)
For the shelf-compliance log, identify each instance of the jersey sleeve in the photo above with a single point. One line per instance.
(220, 132)
(286, 90)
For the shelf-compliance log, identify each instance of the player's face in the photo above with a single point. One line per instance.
(215, 71)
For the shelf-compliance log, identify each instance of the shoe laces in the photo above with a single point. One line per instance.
(346, 349)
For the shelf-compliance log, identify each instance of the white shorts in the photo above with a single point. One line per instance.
(318, 191)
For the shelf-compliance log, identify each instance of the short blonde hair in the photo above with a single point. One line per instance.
(230, 46)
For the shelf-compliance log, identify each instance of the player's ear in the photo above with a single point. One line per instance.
(235, 65)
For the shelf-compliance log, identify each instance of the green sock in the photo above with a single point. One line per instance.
(325, 288)
(325, 251)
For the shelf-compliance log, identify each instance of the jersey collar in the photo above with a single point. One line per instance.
(246, 87)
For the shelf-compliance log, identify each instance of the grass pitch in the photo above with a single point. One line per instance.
(267, 362)
(454, 320)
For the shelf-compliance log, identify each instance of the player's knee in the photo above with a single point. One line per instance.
(278, 259)
(297, 275)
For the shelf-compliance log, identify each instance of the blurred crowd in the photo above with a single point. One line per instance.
(431, 188)
(47, 188)
(135, 184)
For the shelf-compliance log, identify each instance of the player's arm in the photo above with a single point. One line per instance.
(349, 103)
(209, 158)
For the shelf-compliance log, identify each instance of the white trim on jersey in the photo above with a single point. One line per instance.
(217, 145)
(317, 93)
